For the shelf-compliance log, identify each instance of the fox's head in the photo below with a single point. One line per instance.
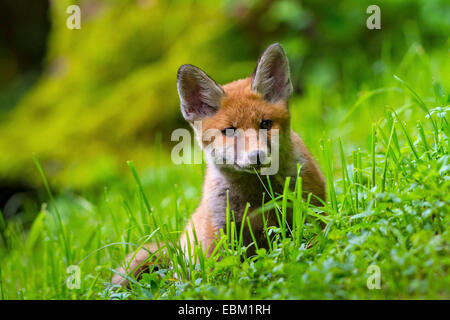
(240, 125)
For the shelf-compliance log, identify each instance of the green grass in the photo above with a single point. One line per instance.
(388, 205)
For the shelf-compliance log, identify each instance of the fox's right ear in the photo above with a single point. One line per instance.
(199, 94)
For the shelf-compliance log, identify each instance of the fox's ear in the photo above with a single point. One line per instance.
(272, 78)
(199, 94)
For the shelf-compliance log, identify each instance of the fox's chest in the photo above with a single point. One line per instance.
(237, 197)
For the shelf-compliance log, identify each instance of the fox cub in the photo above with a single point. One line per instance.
(238, 111)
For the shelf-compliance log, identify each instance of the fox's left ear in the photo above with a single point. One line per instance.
(272, 78)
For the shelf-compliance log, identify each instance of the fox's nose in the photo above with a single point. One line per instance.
(257, 157)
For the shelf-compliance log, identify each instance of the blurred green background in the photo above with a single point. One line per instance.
(85, 101)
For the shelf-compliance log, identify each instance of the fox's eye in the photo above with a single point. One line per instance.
(229, 132)
(266, 124)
